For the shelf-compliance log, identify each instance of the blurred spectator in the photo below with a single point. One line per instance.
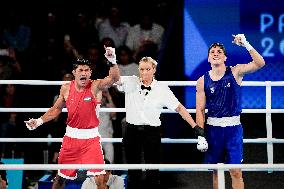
(5, 69)
(71, 54)
(112, 181)
(70, 49)
(17, 69)
(163, 12)
(149, 50)
(108, 42)
(10, 68)
(54, 48)
(98, 65)
(105, 126)
(82, 33)
(126, 64)
(77, 39)
(146, 32)
(54, 26)
(47, 47)
(94, 55)
(8, 121)
(114, 28)
(16, 34)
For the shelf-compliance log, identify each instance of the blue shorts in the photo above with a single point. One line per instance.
(225, 144)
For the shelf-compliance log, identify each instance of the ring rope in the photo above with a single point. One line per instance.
(123, 110)
(119, 140)
(170, 83)
(164, 167)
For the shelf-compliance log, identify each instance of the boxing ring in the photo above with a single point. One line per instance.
(221, 168)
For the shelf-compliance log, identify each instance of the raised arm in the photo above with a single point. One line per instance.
(257, 60)
(52, 112)
(200, 102)
(114, 73)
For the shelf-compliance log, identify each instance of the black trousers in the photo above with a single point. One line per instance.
(144, 138)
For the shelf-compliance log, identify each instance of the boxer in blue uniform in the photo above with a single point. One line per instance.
(219, 91)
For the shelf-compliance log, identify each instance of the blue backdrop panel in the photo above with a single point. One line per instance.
(15, 177)
(206, 22)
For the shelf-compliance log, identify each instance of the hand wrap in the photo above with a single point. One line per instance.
(202, 144)
(243, 41)
(110, 55)
(37, 122)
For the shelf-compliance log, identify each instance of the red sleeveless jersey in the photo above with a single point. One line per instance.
(81, 108)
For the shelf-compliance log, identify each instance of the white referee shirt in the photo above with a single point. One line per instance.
(144, 108)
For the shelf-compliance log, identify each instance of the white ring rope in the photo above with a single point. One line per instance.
(119, 140)
(32, 82)
(164, 167)
(123, 110)
(170, 83)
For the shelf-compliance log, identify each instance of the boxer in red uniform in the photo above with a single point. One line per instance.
(81, 143)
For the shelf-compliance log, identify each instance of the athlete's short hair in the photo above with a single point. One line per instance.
(81, 61)
(217, 45)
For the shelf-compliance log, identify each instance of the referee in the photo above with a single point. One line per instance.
(144, 99)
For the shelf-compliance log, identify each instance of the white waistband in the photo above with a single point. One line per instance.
(224, 121)
(81, 133)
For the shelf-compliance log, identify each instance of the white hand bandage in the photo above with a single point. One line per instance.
(110, 54)
(33, 123)
(241, 41)
(202, 144)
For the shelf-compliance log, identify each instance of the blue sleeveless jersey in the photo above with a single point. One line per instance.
(223, 97)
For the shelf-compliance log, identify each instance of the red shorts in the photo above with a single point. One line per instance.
(80, 151)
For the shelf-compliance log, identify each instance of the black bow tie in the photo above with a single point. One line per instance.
(144, 87)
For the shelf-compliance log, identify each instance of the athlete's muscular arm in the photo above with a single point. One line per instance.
(200, 102)
(257, 60)
(108, 81)
(114, 74)
(56, 109)
(53, 112)
(202, 144)
(257, 63)
(96, 91)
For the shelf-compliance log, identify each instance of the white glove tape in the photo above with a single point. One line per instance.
(39, 122)
(202, 144)
(248, 46)
(243, 42)
(111, 58)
